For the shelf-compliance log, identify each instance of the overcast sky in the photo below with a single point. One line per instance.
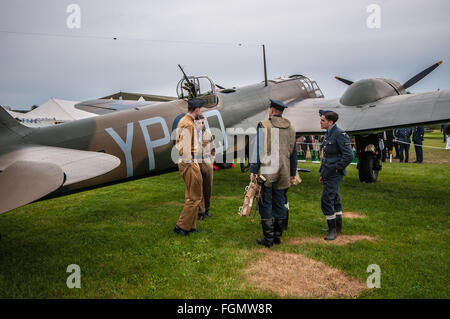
(40, 57)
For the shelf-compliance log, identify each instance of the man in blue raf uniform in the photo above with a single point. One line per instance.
(403, 137)
(273, 205)
(417, 138)
(337, 155)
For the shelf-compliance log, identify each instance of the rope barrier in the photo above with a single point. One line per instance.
(440, 148)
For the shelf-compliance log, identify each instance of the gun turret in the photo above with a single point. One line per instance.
(189, 86)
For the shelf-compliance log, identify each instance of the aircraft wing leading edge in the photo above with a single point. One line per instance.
(387, 113)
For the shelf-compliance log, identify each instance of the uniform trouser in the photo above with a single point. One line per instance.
(331, 201)
(419, 151)
(207, 177)
(404, 148)
(193, 195)
(272, 203)
(397, 152)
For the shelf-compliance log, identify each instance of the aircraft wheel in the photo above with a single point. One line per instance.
(367, 173)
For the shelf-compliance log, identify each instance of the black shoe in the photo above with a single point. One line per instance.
(264, 242)
(339, 224)
(332, 235)
(207, 213)
(278, 227)
(180, 231)
(201, 216)
(267, 227)
(195, 230)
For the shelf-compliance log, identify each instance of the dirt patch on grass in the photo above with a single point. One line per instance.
(437, 161)
(295, 275)
(339, 241)
(351, 215)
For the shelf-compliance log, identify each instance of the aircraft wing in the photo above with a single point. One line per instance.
(105, 106)
(387, 113)
(29, 172)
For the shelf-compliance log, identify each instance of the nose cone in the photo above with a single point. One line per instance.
(367, 91)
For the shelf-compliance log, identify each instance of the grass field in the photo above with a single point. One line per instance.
(122, 237)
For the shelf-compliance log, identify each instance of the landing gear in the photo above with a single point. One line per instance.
(369, 150)
(367, 173)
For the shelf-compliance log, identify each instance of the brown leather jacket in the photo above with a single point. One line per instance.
(187, 139)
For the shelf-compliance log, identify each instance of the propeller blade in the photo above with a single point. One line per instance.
(419, 76)
(348, 82)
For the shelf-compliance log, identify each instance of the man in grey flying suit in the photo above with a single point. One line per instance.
(418, 134)
(273, 206)
(337, 155)
(403, 137)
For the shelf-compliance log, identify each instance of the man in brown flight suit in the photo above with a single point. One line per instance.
(208, 152)
(187, 145)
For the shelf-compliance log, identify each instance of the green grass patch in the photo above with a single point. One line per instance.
(122, 237)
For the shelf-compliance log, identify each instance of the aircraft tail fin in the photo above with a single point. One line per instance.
(9, 127)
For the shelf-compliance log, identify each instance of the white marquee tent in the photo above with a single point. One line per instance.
(54, 111)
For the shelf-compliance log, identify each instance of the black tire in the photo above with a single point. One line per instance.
(367, 171)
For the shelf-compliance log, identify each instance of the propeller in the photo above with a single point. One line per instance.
(419, 76)
(416, 78)
(348, 82)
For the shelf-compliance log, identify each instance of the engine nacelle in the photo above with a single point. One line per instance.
(370, 90)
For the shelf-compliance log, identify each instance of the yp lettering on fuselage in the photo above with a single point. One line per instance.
(126, 145)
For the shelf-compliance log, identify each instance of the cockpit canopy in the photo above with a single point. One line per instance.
(201, 87)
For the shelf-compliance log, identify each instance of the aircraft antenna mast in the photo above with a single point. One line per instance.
(265, 67)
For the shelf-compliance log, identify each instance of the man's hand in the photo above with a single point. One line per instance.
(292, 179)
(320, 180)
(252, 176)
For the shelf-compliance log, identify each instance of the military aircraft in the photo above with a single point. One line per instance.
(134, 139)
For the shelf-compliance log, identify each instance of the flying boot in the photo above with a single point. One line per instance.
(339, 223)
(267, 227)
(331, 229)
(279, 226)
